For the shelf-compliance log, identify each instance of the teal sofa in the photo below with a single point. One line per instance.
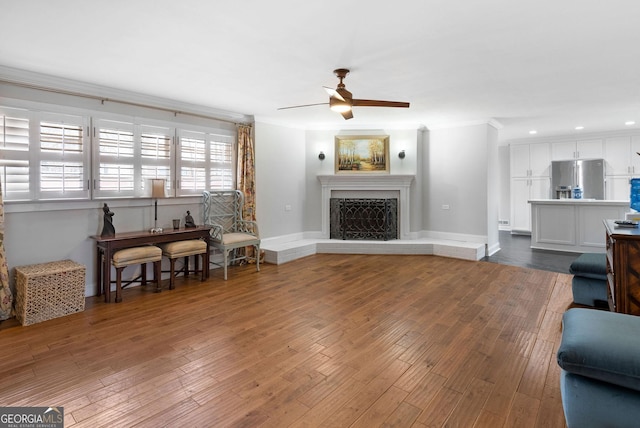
(599, 357)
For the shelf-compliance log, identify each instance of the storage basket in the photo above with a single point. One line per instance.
(49, 290)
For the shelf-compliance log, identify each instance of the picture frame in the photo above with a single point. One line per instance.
(362, 154)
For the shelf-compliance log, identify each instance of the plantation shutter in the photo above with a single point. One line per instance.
(155, 143)
(63, 157)
(115, 159)
(192, 169)
(14, 154)
(221, 176)
(205, 162)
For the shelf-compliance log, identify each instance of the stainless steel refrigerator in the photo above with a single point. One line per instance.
(587, 174)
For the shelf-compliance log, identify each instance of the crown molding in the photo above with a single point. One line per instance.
(44, 82)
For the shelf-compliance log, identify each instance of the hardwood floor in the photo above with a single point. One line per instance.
(515, 250)
(328, 340)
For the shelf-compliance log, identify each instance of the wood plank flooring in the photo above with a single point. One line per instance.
(325, 341)
(515, 250)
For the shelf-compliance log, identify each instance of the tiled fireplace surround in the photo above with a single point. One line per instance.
(284, 249)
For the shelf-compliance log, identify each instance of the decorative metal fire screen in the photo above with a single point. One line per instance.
(374, 219)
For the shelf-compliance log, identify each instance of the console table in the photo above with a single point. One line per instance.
(623, 267)
(107, 245)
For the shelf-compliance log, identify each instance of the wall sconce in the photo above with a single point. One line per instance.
(401, 155)
(321, 156)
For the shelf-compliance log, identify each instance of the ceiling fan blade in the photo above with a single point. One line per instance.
(333, 93)
(347, 115)
(378, 103)
(303, 105)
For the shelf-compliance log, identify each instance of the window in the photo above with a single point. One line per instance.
(129, 155)
(156, 145)
(205, 162)
(55, 155)
(115, 159)
(14, 154)
(62, 158)
(221, 163)
(43, 156)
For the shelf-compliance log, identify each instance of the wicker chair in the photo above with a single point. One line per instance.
(223, 212)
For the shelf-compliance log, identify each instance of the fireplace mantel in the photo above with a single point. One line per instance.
(368, 182)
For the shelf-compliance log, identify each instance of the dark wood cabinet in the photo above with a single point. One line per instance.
(623, 268)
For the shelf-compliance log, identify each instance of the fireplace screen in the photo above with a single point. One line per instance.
(373, 219)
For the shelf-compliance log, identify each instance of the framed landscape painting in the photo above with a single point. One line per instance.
(362, 154)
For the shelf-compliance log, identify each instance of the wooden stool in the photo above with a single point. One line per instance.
(175, 250)
(137, 256)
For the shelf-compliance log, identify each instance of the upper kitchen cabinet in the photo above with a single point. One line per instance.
(582, 149)
(530, 160)
(621, 154)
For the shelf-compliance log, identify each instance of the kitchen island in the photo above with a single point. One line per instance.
(573, 225)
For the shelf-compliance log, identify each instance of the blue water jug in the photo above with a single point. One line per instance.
(635, 194)
(577, 193)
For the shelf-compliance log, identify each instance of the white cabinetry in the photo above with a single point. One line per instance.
(523, 190)
(621, 154)
(581, 149)
(530, 160)
(617, 187)
(622, 164)
(572, 224)
(530, 169)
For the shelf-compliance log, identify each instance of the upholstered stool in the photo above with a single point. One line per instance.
(589, 284)
(175, 250)
(137, 256)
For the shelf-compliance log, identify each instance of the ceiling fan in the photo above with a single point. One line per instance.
(342, 101)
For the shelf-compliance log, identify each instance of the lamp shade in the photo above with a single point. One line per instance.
(157, 188)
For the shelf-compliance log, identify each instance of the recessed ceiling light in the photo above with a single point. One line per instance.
(578, 128)
(629, 122)
(533, 131)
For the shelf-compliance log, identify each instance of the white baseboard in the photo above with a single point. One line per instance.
(283, 249)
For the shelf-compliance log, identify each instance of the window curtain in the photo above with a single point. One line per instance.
(246, 178)
(246, 172)
(6, 296)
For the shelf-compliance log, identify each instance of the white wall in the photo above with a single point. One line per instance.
(456, 161)
(493, 190)
(280, 179)
(504, 168)
(39, 233)
(324, 140)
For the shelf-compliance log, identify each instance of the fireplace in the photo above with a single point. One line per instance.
(374, 186)
(369, 218)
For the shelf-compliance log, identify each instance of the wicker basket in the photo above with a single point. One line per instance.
(49, 290)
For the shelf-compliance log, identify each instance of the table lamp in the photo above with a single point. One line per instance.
(157, 191)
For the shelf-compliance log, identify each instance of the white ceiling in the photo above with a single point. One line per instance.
(548, 65)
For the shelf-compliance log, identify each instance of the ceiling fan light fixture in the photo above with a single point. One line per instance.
(341, 108)
(341, 100)
(339, 105)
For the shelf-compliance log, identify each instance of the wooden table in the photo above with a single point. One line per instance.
(107, 245)
(623, 268)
